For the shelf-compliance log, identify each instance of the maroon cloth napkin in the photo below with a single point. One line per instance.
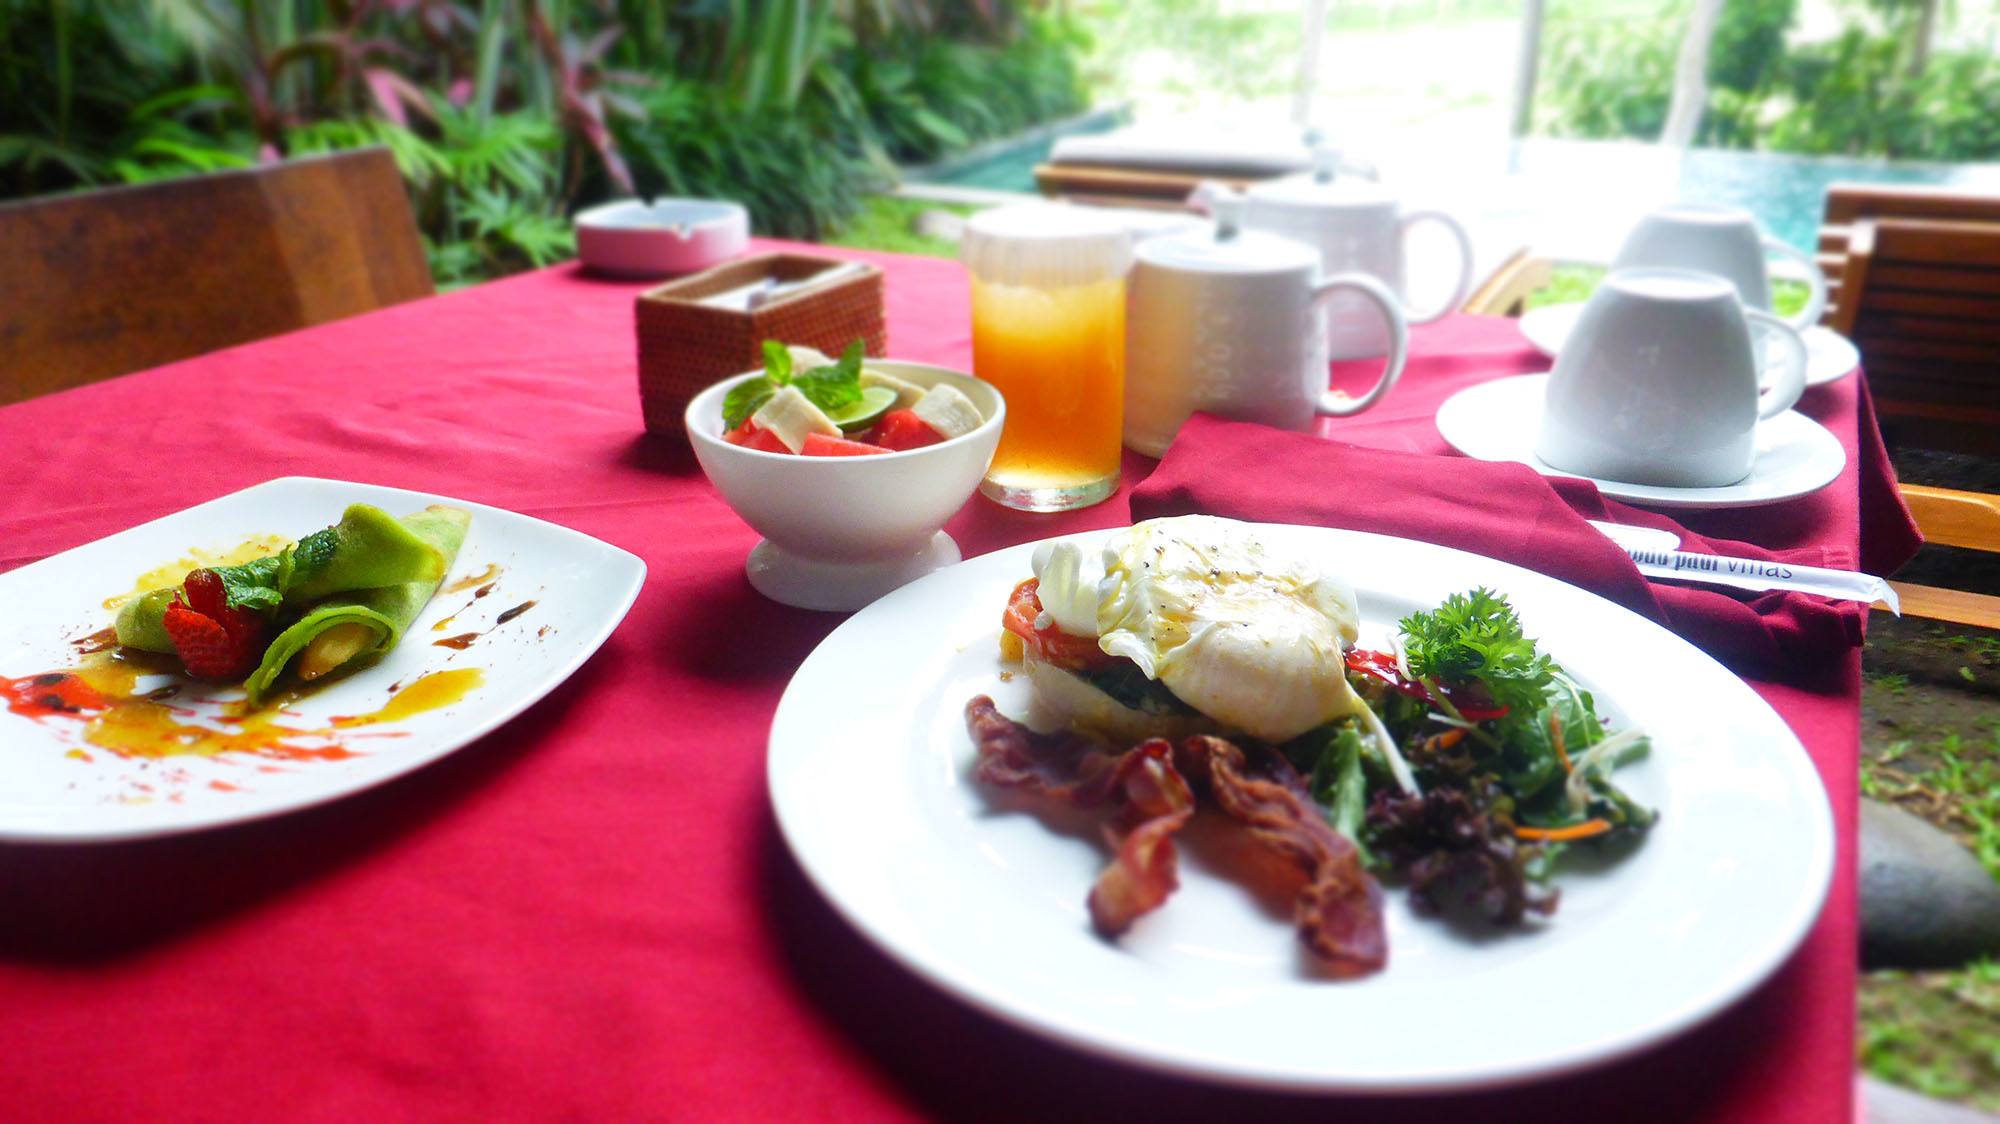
(1502, 510)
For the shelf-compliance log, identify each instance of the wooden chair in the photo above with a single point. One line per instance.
(100, 283)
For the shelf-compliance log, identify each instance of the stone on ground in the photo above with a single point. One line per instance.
(1925, 901)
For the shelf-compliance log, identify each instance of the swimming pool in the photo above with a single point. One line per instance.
(1787, 193)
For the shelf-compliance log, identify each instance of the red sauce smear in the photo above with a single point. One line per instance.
(460, 642)
(51, 694)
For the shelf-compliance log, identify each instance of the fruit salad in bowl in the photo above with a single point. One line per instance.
(847, 467)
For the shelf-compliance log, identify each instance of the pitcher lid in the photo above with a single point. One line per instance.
(1225, 246)
(1327, 185)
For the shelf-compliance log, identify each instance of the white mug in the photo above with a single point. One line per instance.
(1658, 383)
(1233, 323)
(1725, 241)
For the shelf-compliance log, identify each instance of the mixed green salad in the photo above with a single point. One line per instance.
(1510, 759)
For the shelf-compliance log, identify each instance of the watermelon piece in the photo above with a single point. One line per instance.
(820, 445)
(903, 429)
(750, 435)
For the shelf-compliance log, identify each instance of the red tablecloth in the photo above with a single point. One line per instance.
(589, 913)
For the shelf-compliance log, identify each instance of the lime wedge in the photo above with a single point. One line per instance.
(875, 401)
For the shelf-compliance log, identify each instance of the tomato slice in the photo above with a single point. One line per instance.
(1470, 702)
(1051, 644)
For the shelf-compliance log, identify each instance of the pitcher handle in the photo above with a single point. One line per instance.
(1783, 391)
(1336, 403)
(1463, 284)
(1815, 281)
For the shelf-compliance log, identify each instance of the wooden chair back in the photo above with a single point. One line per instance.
(1847, 203)
(1921, 299)
(100, 283)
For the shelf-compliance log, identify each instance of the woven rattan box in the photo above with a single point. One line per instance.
(686, 346)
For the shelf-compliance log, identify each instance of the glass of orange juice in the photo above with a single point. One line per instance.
(1048, 329)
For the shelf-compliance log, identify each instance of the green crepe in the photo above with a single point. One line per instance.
(367, 549)
(370, 568)
(388, 610)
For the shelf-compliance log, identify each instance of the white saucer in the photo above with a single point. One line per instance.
(1830, 356)
(840, 587)
(1498, 421)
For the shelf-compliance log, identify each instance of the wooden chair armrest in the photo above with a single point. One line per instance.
(1954, 518)
(1505, 292)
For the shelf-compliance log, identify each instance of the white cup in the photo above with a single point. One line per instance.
(1659, 382)
(1725, 241)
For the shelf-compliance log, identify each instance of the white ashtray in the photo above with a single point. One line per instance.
(633, 238)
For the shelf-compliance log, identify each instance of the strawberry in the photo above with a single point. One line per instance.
(213, 640)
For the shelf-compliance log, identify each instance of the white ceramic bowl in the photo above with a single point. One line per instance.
(632, 238)
(840, 532)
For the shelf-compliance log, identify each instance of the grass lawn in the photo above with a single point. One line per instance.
(888, 222)
(1930, 743)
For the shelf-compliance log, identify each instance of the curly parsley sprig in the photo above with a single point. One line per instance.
(1476, 638)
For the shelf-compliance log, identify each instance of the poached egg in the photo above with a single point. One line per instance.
(1251, 635)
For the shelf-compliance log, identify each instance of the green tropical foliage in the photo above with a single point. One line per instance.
(504, 115)
(1876, 89)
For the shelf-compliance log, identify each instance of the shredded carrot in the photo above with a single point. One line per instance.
(1445, 740)
(1585, 830)
(1556, 736)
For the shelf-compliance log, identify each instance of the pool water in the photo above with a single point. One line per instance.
(1010, 165)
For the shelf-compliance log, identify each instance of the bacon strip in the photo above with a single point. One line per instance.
(1141, 784)
(1339, 913)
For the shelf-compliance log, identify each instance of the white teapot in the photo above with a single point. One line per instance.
(1357, 226)
(1231, 321)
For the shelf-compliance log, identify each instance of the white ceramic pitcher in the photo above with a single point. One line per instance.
(1358, 226)
(1232, 321)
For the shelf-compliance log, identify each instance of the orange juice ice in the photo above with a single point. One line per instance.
(1058, 356)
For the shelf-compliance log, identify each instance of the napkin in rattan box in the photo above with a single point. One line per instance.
(686, 346)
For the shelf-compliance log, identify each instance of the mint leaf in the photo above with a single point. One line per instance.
(826, 388)
(746, 398)
(835, 387)
(252, 585)
(850, 359)
(777, 362)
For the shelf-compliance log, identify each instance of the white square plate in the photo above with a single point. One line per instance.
(56, 786)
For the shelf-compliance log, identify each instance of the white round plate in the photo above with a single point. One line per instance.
(870, 775)
(1830, 356)
(1498, 420)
